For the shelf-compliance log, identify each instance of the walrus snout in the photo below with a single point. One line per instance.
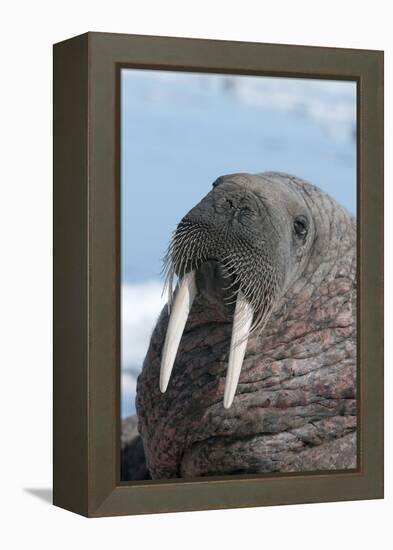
(224, 249)
(228, 207)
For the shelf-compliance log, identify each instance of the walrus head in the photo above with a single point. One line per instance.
(284, 253)
(240, 248)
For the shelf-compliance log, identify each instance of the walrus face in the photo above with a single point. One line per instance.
(240, 247)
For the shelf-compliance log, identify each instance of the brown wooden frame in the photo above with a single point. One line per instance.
(86, 273)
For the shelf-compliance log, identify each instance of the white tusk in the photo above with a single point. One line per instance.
(177, 321)
(240, 331)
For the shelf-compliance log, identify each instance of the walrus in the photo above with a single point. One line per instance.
(251, 367)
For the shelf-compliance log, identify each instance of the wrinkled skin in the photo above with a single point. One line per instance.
(295, 404)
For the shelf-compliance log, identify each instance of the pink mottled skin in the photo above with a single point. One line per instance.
(295, 407)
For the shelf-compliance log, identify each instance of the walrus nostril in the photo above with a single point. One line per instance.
(246, 215)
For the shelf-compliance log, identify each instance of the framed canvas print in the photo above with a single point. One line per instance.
(218, 261)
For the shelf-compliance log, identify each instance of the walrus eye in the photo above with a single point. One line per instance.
(301, 226)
